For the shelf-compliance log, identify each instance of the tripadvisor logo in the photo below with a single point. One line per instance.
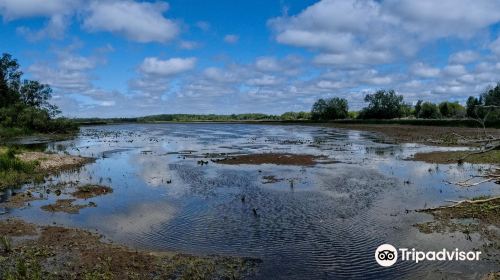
(387, 255)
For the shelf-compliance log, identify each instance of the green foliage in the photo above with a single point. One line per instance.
(452, 110)
(14, 170)
(429, 110)
(472, 107)
(418, 107)
(292, 116)
(330, 109)
(24, 106)
(6, 243)
(487, 106)
(210, 117)
(384, 104)
(491, 96)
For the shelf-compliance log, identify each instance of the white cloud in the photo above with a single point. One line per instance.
(55, 28)
(169, 67)
(421, 70)
(231, 38)
(352, 58)
(464, 57)
(188, 45)
(138, 21)
(266, 80)
(268, 64)
(455, 70)
(203, 25)
(352, 31)
(15, 9)
(495, 46)
(438, 19)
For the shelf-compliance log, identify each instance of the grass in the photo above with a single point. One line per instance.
(13, 170)
(6, 243)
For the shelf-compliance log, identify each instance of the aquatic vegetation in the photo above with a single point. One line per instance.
(67, 206)
(89, 191)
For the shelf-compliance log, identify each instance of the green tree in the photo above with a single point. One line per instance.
(37, 95)
(472, 107)
(384, 104)
(24, 106)
(451, 110)
(492, 96)
(429, 111)
(10, 77)
(418, 107)
(330, 109)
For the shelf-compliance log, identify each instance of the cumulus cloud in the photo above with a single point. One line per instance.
(15, 9)
(138, 21)
(168, 67)
(421, 70)
(55, 29)
(231, 38)
(352, 31)
(495, 46)
(464, 57)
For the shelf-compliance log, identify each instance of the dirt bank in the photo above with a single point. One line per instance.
(432, 135)
(491, 157)
(271, 158)
(64, 253)
(20, 167)
(53, 163)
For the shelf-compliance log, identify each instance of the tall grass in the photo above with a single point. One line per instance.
(12, 169)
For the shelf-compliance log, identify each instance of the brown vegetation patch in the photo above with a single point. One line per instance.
(491, 157)
(468, 216)
(432, 135)
(271, 158)
(19, 200)
(486, 210)
(54, 162)
(67, 206)
(65, 253)
(14, 228)
(89, 191)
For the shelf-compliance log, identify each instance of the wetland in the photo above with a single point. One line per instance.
(250, 201)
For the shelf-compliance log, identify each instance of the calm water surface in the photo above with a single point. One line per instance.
(326, 226)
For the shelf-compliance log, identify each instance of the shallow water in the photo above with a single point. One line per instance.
(325, 225)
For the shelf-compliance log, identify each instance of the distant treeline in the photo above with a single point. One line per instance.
(24, 104)
(387, 104)
(382, 105)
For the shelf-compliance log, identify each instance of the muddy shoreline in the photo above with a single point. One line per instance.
(430, 135)
(51, 252)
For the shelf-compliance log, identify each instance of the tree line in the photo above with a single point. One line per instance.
(387, 104)
(24, 104)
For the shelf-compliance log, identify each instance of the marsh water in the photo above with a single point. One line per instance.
(314, 222)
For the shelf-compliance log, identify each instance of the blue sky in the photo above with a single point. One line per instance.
(112, 58)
